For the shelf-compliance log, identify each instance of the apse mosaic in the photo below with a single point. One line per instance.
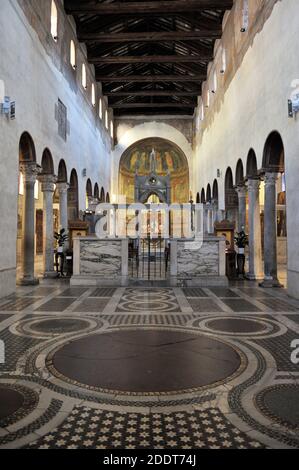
(169, 159)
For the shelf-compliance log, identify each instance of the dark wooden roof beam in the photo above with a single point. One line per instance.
(151, 105)
(150, 36)
(149, 59)
(74, 7)
(151, 78)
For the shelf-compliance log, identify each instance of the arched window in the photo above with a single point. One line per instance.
(84, 77)
(106, 120)
(93, 95)
(223, 61)
(73, 54)
(54, 21)
(111, 130)
(215, 83)
(101, 108)
(208, 99)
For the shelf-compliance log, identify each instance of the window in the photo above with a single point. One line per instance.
(202, 112)
(208, 99)
(93, 95)
(36, 190)
(223, 61)
(21, 184)
(215, 84)
(54, 21)
(73, 55)
(111, 130)
(84, 77)
(101, 108)
(106, 120)
(245, 17)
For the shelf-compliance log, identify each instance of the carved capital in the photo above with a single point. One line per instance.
(30, 171)
(241, 190)
(48, 183)
(253, 185)
(270, 178)
(62, 187)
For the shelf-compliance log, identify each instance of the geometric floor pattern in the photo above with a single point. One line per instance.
(181, 430)
(184, 368)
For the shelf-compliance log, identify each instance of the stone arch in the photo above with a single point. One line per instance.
(47, 163)
(73, 196)
(231, 196)
(197, 198)
(170, 159)
(209, 193)
(89, 192)
(26, 148)
(108, 198)
(103, 196)
(96, 192)
(147, 194)
(251, 164)
(273, 155)
(239, 172)
(215, 191)
(62, 172)
(203, 196)
(146, 130)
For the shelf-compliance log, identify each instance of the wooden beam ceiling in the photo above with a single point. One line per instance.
(149, 49)
(151, 105)
(152, 93)
(150, 78)
(154, 36)
(75, 7)
(148, 59)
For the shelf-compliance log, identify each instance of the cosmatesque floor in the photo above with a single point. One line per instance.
(163, 368)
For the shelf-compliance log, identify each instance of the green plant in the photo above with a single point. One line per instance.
(61, 237)
(241, 239)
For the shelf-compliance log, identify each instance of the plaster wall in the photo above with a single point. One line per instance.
(33, 76)
(254, 105)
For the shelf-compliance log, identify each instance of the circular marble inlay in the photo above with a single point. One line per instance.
(59, 325)
(145, 361)
(10, 401)
(280, 403)
(236, 325)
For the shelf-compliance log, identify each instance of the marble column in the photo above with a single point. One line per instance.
(30, 172)
(270, 232)
(63, 213)
(255, 233)
(241, 190)
(48, 188)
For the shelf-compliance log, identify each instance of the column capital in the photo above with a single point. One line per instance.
(270, 178)
(62, 186)
(48, 183)
(241, 190)
(253, 184)
(30, 171)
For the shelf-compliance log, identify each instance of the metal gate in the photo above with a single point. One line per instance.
(149, 258)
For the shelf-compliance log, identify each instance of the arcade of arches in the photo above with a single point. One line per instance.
(119, 334)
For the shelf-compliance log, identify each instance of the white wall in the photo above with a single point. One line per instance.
(254, 105)
(35, 83)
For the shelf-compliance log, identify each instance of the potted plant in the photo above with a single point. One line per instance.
(61, 237)
(241, 240)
